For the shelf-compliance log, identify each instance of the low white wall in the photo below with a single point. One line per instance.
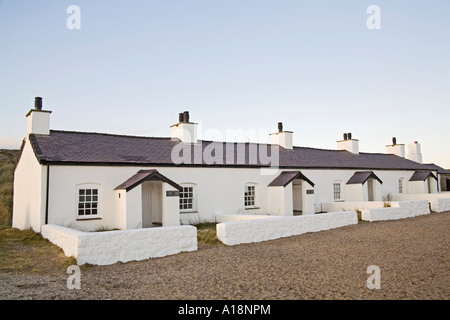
(351, 206)
(241, 217)
(440, 202)
(108, 247)
(65, 238)
(398, 210)
(237, 232)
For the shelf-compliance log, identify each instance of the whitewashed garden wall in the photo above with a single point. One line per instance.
(237, 232)
(397, 210)
(108, 247)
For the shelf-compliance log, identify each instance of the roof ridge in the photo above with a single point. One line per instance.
(109, 134)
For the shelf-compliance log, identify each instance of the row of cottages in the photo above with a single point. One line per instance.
(92, 181)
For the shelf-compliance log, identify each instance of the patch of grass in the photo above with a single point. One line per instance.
(8, 159)
(206, 233)
(27, 251)
(359, 214)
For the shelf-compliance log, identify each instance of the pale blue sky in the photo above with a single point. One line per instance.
(314, 65)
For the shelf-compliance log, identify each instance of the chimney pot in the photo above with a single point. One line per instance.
(349, 135)
(180, 117)
(345, 136)
(38, 103)
(280, 127)
(186, 116)
(394, 141)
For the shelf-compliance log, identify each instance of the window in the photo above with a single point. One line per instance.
(187, 198)
(400, 185)
(88, 200)
(337, 190)
(249, 196)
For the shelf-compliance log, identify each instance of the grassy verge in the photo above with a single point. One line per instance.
(8, 159)
(206, 233)
(27, 251)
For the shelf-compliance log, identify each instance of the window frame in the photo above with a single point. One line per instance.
(252, 197)
(98, 203)
(401, 186)
(193, 198)
(337, 183)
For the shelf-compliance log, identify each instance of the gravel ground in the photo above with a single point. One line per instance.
(412, 254)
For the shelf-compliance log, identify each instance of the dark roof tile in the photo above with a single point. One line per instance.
(361, 177)
(422, 176)
(66, 147)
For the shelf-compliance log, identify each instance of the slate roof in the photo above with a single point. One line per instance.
(285, 177)
(82, 148)
(145, 175)
(434, 167)
(421, 176)
(362, 176)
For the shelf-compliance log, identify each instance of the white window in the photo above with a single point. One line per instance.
(250, 196)
(337, 190)
(187, 198)
(88, 201)
(400, 185)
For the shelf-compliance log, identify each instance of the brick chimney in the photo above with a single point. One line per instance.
(38, 120)
(184, 130)
(282, 138)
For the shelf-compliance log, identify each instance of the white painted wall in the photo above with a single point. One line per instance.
(38, 122)
(414, 152)
(185, 131)
(397, 149)
(171, 207)
(308, 206)
(108, 247)
(29, 191)
(417, 187)
(241, 217)
(219, 191)
(398, 210)
(237, 232)
(134, 208)
(440, 202)
(120, 209)
(351, 206)
(351, 145)
(356, 192)
(280, 200)
(283, 139)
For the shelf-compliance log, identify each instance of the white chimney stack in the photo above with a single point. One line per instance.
(282, 138)
(349, 144)
(397, 149)
(38, 120)
(414, 152)
(184, 130)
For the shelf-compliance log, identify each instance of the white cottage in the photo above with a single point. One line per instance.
(92, 181)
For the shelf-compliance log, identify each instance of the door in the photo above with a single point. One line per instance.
(151, 204)
(430, 182)
(297, 197)
(370, 189)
